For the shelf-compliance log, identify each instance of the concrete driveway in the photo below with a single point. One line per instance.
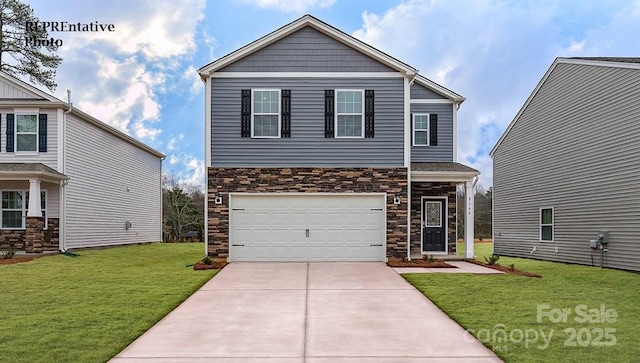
(306, 312)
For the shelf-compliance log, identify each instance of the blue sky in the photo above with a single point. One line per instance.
(142, 77)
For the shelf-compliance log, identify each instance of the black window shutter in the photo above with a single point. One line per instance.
(0, 126)
(411, 125)
(9, 132)
(42, 133)
(285, 96)
(245, 113)
(329, 113)
(433, 129)
(368, 113)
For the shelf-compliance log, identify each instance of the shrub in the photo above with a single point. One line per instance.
(8, 254)
(491, 260)
(206, 260)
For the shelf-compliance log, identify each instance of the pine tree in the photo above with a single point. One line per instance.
(18, 56)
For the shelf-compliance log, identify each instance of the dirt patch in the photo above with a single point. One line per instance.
(213, 266)
(419, 263)
(506, 269)
(19, 259)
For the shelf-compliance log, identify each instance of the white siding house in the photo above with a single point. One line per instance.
(98, 186)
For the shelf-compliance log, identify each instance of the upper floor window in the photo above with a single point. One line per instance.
(15, 205)
(546, 224)
(421, 129)
(26, 133)
(349, 113)
(266, 114)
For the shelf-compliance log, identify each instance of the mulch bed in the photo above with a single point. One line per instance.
(507, 269)
(419, 263)
(10, 261)
(213, 266)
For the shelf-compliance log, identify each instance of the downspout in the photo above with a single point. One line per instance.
(408, 124)
(62, 233)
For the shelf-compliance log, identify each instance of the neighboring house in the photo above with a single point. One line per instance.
(316, 143)
(567, 167)
(95, 185)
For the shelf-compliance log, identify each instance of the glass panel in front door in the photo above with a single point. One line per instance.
(433, 214)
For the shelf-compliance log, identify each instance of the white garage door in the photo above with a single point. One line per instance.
(307, 227)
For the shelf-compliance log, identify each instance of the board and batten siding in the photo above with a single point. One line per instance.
(443, 152)
(576, 148)
(307, 50)
(49, 158)
(111, 182)
(307, 146)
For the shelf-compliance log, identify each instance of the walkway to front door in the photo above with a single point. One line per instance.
(307, 312)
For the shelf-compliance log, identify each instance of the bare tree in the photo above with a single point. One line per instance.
(180, 213)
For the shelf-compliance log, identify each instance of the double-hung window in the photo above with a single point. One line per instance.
(546, 224)
(15, 205)
(26, 133)
(265, 114)
(421, 129)
(350, 113)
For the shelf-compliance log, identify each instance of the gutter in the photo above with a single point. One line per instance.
(62, 236)
(408, 124)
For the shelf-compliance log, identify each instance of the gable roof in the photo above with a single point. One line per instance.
(334, 33)
(46, 100)
(615, 62)
(304, 21)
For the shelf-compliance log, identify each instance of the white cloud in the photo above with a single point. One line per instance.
(172, 143)
(191, 170)
(126, 71)
(290, 6)
(192, 78)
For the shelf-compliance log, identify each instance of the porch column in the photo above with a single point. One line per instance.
(468, 222)
(34, 199)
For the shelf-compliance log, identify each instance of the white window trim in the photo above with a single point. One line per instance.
(25, 208)
(553, 224)
(22, 112)
(336, 114)
(413, 123)
(279, 114)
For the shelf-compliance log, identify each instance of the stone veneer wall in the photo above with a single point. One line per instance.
(306, 180)
(15, 238)
(419, 190)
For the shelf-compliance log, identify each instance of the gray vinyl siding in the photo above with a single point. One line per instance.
(420, 92)
(576, 148)
(49, 158)
(307, 146)
(111, 182)
(307, 50)
(443, 152)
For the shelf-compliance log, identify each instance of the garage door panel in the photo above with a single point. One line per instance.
(329, 227)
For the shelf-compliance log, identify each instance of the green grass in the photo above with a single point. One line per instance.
(89, 308)
(481, 302)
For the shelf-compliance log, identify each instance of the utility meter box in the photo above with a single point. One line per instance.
(593, 244)
(603, 237)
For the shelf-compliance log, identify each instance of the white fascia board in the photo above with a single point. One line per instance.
(438, 176)
(439, 89)
(431, 101)
(296, 25)
(306, 75)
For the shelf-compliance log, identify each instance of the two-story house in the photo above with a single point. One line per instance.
(320, 147)
(93, 185)
(566, 168)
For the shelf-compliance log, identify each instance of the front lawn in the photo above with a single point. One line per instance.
(572, 314)
(89, 308)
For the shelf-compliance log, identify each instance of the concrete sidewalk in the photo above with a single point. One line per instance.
(306, 312)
